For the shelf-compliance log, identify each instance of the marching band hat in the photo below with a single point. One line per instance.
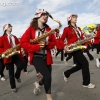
(40, 12)
(6, 26)
(70, 16)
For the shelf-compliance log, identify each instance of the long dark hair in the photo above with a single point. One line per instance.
(4, 32)
(34, 23)
(70, 26)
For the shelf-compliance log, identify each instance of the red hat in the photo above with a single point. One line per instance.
(39, 13)
(70, 16)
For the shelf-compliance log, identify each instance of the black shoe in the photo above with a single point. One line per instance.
(92, 59)
(14, 90)
(18, 80)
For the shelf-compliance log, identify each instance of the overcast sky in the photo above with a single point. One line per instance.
(20, 12)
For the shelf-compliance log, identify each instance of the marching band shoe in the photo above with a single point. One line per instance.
(18, 80)
(97, 63)
(38, 75)
(26, 72)
(73, 65)
(55, 56)
(65, 61)
(65, 78)
(14, 90)
(91, 86)
(92, 59)
(3, 79)
(36, 89)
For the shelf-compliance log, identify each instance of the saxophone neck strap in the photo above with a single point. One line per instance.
(77, 32)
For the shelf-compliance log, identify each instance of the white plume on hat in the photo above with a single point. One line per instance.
(70, 16)
(39, 12)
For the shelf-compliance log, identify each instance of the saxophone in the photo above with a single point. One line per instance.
(10, 52)
(38, 39)
(78, 45)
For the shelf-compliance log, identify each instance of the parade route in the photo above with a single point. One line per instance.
(72, 90)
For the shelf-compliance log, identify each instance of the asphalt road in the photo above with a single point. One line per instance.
(72, 90)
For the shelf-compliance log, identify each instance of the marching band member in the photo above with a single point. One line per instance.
(73, 33)
(97, 40)
(2, 66)
(97, 45)
(40, 54)
(8, 41)
(25, 56)
(92, 44)
(59, 50)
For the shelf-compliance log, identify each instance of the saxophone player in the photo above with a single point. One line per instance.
(8, 41)
(40, 54)
(73, 33)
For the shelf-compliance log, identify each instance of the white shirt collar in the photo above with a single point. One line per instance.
(9, 34)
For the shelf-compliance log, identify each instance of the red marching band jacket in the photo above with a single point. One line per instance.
(4, 45)
(70, 35)
(58, 46)
(97, 37)
(1, 47)
(30, 33)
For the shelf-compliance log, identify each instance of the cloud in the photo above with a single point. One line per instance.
(9, 5)
(94, 4)
(60, 16)
(53, 5)
(20, 16)
(85, 19)
(31, 1)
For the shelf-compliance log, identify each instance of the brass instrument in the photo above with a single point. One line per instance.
(78, 45)
(38, 39)
(10, 52)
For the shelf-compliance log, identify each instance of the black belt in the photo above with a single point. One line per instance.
(39, 55)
